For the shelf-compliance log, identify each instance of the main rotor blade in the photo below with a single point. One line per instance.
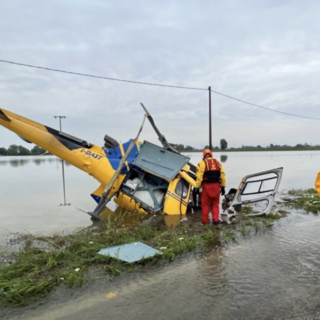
(162, 138)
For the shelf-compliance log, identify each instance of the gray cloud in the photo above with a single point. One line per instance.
(265, 52)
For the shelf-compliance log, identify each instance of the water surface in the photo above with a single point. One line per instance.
(31, 187)
(274, 274)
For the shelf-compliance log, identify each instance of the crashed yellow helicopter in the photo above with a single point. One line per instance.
(140, 176)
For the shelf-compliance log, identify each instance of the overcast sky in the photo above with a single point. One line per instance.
(265, 52)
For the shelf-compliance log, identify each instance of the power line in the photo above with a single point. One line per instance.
(100, 77)
(156, 84)
(256, 105)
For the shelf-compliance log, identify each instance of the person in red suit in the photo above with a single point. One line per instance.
(212, 178)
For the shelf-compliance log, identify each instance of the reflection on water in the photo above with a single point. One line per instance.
(223, 158)
(38, 161)
(12, 161)
(17, 163)
(172, 220)
(212, 275)
(120, 215)
(130, 218)
(280, 265)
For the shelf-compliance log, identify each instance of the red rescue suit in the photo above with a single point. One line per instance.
(211, 175)
(210, 196)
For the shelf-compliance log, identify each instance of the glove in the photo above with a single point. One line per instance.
(222, 191)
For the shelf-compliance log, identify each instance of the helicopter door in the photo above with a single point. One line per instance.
(258, 189)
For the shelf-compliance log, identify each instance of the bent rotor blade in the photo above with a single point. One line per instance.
(162, 138)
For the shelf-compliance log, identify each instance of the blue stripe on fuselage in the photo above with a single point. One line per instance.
(114, 155)
(96, 198)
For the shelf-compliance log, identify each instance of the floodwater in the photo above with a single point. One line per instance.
(31, 189)
(274, 274)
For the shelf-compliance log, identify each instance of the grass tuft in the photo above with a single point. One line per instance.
(306, 200)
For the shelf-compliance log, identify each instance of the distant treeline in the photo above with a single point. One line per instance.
(271, 147)
(276, 147)
(181, 147)
(15, 150)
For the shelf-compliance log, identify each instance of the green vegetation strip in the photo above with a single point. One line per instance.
(306, 200)
(44, 263)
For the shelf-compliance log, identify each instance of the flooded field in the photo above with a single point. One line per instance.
(31, 191)
(271, 274)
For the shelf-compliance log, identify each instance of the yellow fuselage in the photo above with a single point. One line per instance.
(93, 160)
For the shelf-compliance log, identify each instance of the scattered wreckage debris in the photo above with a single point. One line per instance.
(130, 252)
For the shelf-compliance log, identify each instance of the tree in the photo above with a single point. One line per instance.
(213, 147)
(36, 150)
(180, 147)
(13, 150)
(3, 152)
(23, 151)
(223, 144)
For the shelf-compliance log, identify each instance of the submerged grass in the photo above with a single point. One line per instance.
(44, 263)
(307, 200)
